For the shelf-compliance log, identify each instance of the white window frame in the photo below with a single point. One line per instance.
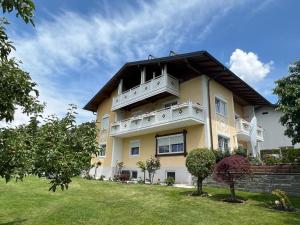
(102, 156)
(223, 101)
(223, 146)
(134, 144)
(169, 141)
(106, 116)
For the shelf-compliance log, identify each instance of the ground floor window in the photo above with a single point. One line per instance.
(223, 143)
(134, 174)
(170, 144)
(171, 174)
(102, 150)
(134, 148)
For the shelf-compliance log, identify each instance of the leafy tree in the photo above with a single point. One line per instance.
(58, 149)
(63, 149)
(288, 93)
(200, 163)
(143, 168)
(15, 152)
(16, 86)
(231, 169)
(152, 165)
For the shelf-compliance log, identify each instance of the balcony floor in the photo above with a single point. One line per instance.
(160, 127)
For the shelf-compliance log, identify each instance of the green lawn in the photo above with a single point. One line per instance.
(96, 202)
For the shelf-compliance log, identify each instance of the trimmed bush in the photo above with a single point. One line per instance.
(200, 163)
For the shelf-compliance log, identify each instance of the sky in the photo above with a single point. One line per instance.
(76, 46)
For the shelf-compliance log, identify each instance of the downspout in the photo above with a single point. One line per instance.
(209, 113)
(209, 104)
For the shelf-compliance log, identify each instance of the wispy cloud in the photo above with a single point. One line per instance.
(71, 55)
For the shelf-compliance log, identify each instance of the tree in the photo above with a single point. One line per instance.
(152, 165)
(200, 163)
(63, 149)
(143, 168)
(16, 87)
(288, 92)
(15, 152)
(231, 169)
(58, 149)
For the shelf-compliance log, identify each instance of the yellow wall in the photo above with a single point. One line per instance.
(194, 139)
(191, 90)
(222, 125)
(103, 109)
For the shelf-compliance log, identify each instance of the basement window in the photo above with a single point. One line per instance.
(171, 174)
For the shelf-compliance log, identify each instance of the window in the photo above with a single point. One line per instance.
(223, 143)
(134, 174)
(171, 174)
(134, 148)
(105, 122)
(221, 107)
(170, 144)
(102, 150)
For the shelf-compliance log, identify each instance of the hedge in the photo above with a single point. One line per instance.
(291, 155)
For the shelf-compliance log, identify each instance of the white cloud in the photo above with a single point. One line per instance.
(248, 66)
(71, 55)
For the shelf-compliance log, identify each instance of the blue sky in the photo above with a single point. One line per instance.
(77, 45)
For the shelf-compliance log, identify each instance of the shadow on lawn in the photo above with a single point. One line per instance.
(14, 222)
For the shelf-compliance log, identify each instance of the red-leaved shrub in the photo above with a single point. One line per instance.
(230, 169)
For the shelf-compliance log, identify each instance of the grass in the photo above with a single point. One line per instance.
(96, 202)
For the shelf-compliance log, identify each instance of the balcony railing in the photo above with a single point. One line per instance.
(243, 127)
(160, 84)
(176, 116)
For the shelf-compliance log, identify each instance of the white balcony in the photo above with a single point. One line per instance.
(158, 85)
(243, 130)
(177, 116)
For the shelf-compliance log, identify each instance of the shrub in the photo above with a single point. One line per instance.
(241, 151)
(282, 201)
(291, 155)
(152, 165)
(229, 170)
(200, 163)
(219, 155)
(124, 177)
(142, 166)
(256, 161)
(271, 160)
(170, 181)
(102, 177)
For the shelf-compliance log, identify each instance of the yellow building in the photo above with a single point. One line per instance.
(165, 107)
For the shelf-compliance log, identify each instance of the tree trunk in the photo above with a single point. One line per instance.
(199, 186)
(149, 174)
(144, 176)
(232, 192)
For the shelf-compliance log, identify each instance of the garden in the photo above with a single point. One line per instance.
(100, 202)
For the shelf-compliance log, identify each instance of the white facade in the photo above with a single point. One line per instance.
(274, 136)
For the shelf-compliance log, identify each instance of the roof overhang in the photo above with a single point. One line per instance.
(195, 63)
